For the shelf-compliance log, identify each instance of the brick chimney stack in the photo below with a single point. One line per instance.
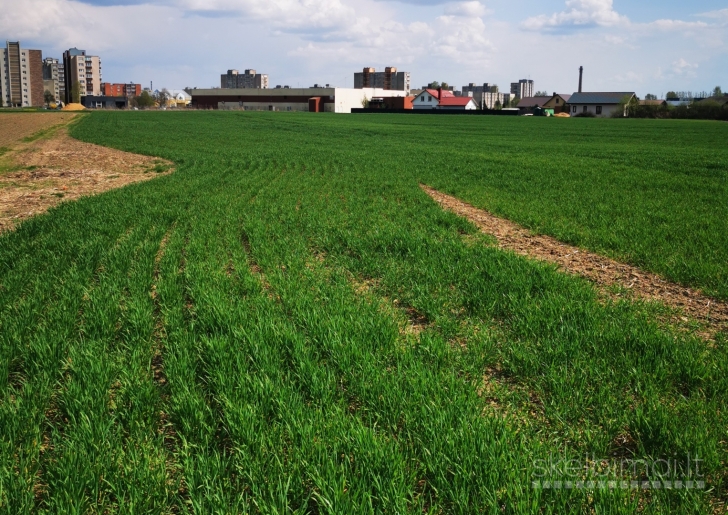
(439, 93)
(581, 75)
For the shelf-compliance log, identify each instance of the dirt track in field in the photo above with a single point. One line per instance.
(601, 270)
(39, 174)
(16, 126)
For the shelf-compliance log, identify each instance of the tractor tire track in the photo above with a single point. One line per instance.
(603, 271)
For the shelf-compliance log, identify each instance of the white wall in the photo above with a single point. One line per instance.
(425, 101)
(607, 110)
(472, 106)
(346, 98)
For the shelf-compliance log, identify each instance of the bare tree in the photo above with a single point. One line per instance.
(162, 97)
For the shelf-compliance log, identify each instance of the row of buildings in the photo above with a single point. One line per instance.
(397, 84)
(25, 77)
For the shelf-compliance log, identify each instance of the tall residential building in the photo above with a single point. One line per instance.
(129, 90)
(250, 79)
(84, 69)
(522, 89)
(477, 90)
(389, 79)
(21, 76)
(51, 78)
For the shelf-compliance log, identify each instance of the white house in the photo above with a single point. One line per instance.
(601, 105)
(179, 98)
(442, 99)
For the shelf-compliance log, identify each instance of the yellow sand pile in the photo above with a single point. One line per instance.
(73, 107)
(562, 115)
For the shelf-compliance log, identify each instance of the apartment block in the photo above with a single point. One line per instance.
(84, 70)
(522, 89)
(129, 90)
(494, 99)
(390, 79)
(21, 76)
(248, 80)
(51, 77)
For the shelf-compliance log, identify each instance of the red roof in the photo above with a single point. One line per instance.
(455, 101)
(445, 93)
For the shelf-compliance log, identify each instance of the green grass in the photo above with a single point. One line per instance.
(202, 343)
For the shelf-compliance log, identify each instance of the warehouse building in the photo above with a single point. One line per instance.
(317, 100)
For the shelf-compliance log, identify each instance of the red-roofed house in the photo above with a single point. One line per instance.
(442, 99)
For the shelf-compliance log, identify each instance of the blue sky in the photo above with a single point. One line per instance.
(637, 45)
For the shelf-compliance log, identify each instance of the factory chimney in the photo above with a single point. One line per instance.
(581, 75)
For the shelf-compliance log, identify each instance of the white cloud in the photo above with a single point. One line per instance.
(672, 25)
(579, 14)
(683, 67)
(721, 14)
(289, 15)
(470, 9)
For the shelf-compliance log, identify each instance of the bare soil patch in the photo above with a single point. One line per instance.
(603, 271)
(48, 170)
(16, 126)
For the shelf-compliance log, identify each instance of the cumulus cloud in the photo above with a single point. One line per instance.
(579, 14)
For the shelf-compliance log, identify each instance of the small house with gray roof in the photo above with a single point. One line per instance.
(601, 105)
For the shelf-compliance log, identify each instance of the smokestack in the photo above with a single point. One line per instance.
(581, 76)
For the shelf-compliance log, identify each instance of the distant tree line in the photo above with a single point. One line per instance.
(712, 108)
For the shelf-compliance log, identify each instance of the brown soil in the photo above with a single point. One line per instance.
(51, 170)
(603, 271)
(16, 126)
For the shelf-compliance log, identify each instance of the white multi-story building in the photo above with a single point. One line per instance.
(248, 80)
(84, 70)
(522, 89)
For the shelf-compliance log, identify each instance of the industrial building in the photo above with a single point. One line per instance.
(522, 89)
(329, 100)
(21, 76)
(389, 79)
(104, 102)
(248, 80)
(84, 70)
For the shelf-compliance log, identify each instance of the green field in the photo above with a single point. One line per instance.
(288, 324)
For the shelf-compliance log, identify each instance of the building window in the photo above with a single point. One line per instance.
(599, 109)
(573, 109)
(429, 99)
(557, 100)
(586, 108)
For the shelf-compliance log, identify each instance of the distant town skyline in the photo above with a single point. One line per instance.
(642, 46)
